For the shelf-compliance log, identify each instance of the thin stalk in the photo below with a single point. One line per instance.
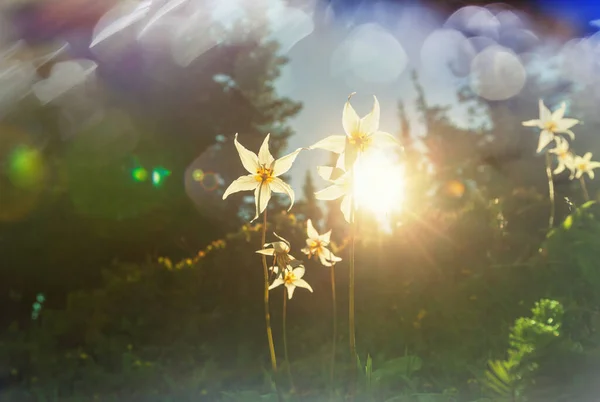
(586, 195)
(550, 189)
(266, 298)
(334, 310)
(285, 348)
(351, 323)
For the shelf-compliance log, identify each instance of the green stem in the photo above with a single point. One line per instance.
(550, 189)
(285, 348)
(334, 324)
(586, 195)
(351, 323)
(266, 297)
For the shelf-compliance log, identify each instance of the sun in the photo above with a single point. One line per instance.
(379, 186)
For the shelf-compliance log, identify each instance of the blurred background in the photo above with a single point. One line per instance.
(125, 276)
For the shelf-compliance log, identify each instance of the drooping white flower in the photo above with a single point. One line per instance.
(291, 279)
(316, 246)
(280, 251)
(551, 124)
(563, 155)
(585, 165)
(362, 135)
(341, 188)
(263, 178)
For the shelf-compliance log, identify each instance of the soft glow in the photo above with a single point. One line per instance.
(379, 186)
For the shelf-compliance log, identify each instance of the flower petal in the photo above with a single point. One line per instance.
(546, 138)
(591, 174)
(545, 114)
(587, 156)
(370, 123)
(244, 183)
(287, 243)
(350, 155)
(264, 155)
(276, 282)
(382, 139)
(311, 231)
(262, 195)
(332, 192)
(329, 173)
(283, 164)
(248, 158)
(350, 119)
(560, 168)
(279, 186)
(266, 251)
(301, 283)
(564, 124)
(299, 272)
(533, 123)
(559, 113)
(333, 143)
(290, 289)
(346, 208)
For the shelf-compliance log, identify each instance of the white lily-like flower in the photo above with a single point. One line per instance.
(341, 187)
(585, 165)
(316, 245)
(263, 178)
(563, 155)
(362, 135)
(291, 279)
(280, 251)
(551, 124)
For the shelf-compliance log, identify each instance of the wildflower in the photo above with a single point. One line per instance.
(292, 279)
(564, 156)
(263, 178)
(316, 245)
(341, 187)
(280, 251)
(551, 123)
(362, 135)
(585, 165)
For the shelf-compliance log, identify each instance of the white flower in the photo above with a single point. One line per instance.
(564, 156)
(292, 279)
(585, 165)
(280, 251)
(341, 187)
(551, 123)
(263, 179)
(362, 135)
(316, 245)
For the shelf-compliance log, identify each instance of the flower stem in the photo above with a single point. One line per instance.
(266, 297)
(550, 189)
(334, 324)
(586, 195)
(285, 348)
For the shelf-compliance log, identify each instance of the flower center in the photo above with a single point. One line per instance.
(550, 126)
(360, 140)
(289, 278)
(582, 166)
(316, 248)
(264, 174)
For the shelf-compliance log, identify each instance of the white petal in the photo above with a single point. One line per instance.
(564, 124)
(350, 119)
(591, 174)
(266, 251)
(383, 140)
(545, 114)
(560, 168)
(276, 282)
(299, 272)
(306, 250)
(301, 283)
(283, 240)
(546, 138)
(283, 164)
(324, 261)
(346, 208)
(311, 231)
(279, 186)
(290, 289)
(594, 165)
(559, 113)
(329, 173)
(333, 143)
(248, 158)
(578, 174)
(244, 183)
(587, 157)
(262, 195)
(264, 156)
(350, 155)
(330, 193)
(325, 238)
(533, 123)
(370, 123)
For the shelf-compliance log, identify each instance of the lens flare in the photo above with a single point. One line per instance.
(159, 175)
